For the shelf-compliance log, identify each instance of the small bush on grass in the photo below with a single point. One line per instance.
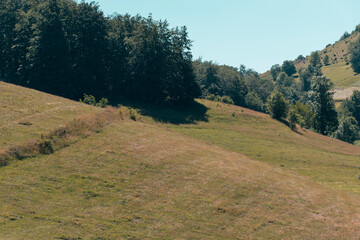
(132, 113)
(223, 99)
(90, 100)
(45, 146)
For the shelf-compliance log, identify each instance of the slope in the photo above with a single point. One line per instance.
(137, 180)
(261, 138)
(26, 113)
(213, 171)
(339, 70)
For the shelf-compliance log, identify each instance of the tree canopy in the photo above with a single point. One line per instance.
(69, 48)
(354, 50)
(288, 67)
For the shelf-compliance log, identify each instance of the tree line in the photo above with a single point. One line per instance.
(71, 49)
(301, 97)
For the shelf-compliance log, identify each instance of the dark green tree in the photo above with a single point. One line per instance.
(322, 104)
(48, 53)
(293, 118)
(299, 58)
(326, 60)
(348, 130)
(277, 106)
(288, 67)
(315, 60)
(355, 105)
(354, 50)
(305, 115)
(275, 70)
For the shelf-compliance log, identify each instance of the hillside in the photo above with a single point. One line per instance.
(27, 113)
(215, 171)
(338, 70)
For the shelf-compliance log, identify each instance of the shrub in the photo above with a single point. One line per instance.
(277, 106)
(4, 160)
(211, 97)
(103, 103)
(253, 101)
(90, 100)
(45, 146)
(304, 113)
(227, 99)
(132, 113)
(293, 118)
(348, 130)
(20, 152)
(216, 98)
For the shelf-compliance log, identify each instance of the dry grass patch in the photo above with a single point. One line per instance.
(61, 137)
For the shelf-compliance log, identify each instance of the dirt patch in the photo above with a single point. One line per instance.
(343, 93)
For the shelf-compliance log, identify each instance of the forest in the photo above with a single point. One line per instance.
(70, 49)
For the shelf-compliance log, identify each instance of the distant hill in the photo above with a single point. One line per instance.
(338, 70)
(209, 171)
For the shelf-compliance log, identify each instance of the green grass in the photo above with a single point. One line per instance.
(341, 74)
(214, 171)
(25, 113)
(140, 181)
(257, 136)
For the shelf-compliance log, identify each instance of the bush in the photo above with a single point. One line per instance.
(288, 67)
(103, 103)
(4, 160)
(348, 130)
(253, 101)
(293, 118)
(354, 50)
(304, 113)
(277, 106)
(90, 100)
(45, 147)
(227, 99)
(132, 113)
(216, 98)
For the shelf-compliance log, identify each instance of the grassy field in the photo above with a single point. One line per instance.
(259, 137)
(341, 74)
(26, 113)
(213, 171)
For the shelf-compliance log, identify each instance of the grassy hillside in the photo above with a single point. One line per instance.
(214, 171)
(338, 70)
(26, 113)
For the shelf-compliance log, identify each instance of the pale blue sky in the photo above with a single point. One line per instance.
(257, 33)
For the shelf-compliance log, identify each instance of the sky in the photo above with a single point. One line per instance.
(256, 33)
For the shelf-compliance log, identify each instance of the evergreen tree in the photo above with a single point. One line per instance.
(322, 103)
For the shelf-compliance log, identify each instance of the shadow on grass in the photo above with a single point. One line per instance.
(286, 123)
(184, 114)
